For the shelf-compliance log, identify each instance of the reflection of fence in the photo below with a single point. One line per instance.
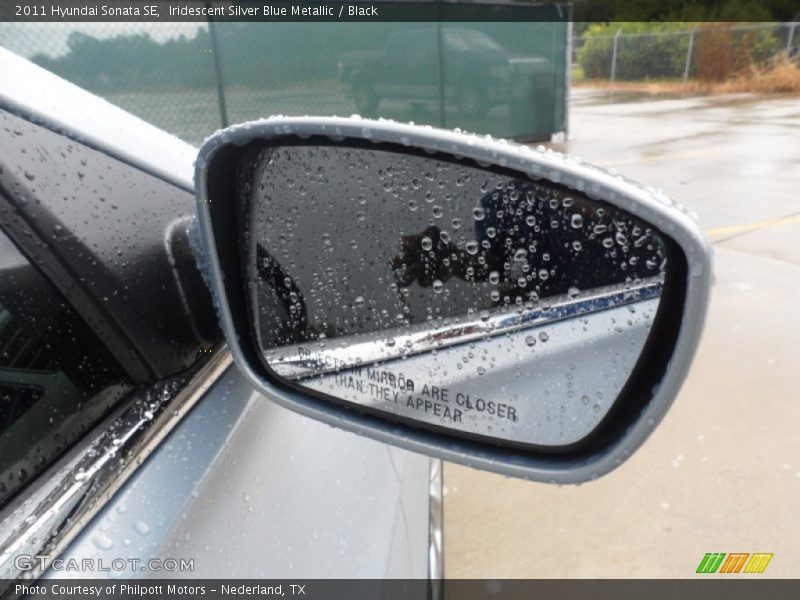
(507, 79)
(708, 50)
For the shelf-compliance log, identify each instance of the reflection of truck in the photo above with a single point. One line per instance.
(475, 72)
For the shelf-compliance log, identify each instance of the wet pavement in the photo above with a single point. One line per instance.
(722, 471)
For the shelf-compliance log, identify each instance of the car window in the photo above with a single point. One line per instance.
(422, 44)
(418, 43)
(475, 40)
(454, 41)
(56, 379)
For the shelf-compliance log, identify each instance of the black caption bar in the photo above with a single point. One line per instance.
(159, 11)
(413, 589)
(395, 10)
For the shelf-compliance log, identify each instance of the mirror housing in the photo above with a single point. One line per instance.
(225, 231)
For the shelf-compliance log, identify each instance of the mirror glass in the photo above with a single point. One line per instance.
(432, 289)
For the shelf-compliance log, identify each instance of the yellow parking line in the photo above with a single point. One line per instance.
(660, 157)
(733, 229)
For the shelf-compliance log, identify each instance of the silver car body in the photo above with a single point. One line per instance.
(231, 481)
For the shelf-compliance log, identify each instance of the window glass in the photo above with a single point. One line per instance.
(471, 40)
(56, 379)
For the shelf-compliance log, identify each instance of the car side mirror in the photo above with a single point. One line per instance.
(513, 310)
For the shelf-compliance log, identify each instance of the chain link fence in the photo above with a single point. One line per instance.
(507, 79)
(710, 51)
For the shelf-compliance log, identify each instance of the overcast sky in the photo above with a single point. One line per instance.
(28, 39)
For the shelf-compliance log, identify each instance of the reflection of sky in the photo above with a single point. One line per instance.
(28, 39)
(10, 258)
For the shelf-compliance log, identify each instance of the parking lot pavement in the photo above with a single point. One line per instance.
(722, 472)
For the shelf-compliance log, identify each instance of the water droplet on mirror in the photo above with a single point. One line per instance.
(576, 221)
(530, 341)
(438, 286)
(426, 243)
(543, 337)
(478, 213)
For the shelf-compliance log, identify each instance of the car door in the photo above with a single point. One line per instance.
(130, 437)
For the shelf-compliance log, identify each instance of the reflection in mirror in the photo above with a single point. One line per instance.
(435, 290)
